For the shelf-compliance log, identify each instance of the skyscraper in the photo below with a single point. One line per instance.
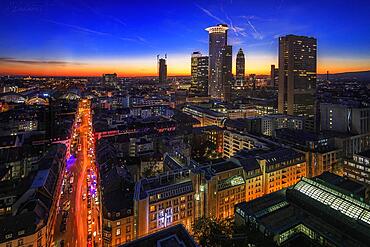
(162, 71)
(199, 74)
(217, 41)
(240, 69)
(227, 75)
(274, 76)
(297, 77)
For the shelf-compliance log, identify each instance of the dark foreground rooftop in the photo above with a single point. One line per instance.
(175, 236)
(324, 209)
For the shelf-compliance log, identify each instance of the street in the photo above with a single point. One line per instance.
(78, 219)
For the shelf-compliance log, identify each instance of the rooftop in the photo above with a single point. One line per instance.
(174, 236)
(317, 204)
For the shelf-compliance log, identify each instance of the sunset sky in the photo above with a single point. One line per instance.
(54, 37)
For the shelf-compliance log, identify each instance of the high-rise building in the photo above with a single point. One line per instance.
(227, 74)
(274, 76)
(217, 43)
(162, 71)
(240, 69)
(199, 74)
(297, 77)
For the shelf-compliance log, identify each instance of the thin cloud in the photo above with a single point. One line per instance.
(37, 62)
(79, 28)
(256, 34)
(237, 30)
(127, 39)
(209, 13)
(137, 39)
(235, 41)
(256, 18)
(109, 17)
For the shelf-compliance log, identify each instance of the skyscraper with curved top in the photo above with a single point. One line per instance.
(217, 44)
(240, 68)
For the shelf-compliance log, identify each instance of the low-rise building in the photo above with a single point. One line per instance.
(357, 168)
(189, 191)
(325, 211)
(345, 118)
(205, 116)
(28, 213)
(321, 151)
(235, 141)
(265, 125)
(164, 200)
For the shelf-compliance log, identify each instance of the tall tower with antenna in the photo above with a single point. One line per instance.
(162, 69)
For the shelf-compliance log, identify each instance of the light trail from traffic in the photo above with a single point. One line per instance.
(78, 225)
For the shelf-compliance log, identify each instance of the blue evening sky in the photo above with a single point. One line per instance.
(105, 34)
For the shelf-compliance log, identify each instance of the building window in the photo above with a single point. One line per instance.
(118, 231)
(128, 238)
(20, 242)
(118, 223)
(152, 208)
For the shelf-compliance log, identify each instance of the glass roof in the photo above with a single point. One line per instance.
(345, 204)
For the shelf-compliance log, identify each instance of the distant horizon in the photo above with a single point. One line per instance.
(151, 76)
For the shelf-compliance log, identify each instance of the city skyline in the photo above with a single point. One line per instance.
(184, 123)
(89, 39)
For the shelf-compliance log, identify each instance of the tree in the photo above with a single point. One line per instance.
(211, 232)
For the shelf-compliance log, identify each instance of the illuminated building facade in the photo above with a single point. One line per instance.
(199, 74)
(357, 168)
(217, 52)
(240, 69)
(297, 77)
(164, 200)
(181, 195)
(235, 141)
(222, 186)
(118, 229)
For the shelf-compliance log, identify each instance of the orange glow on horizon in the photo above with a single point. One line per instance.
(177, 66)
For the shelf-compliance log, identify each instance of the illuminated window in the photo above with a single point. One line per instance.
(152, 208)
(118, 231)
